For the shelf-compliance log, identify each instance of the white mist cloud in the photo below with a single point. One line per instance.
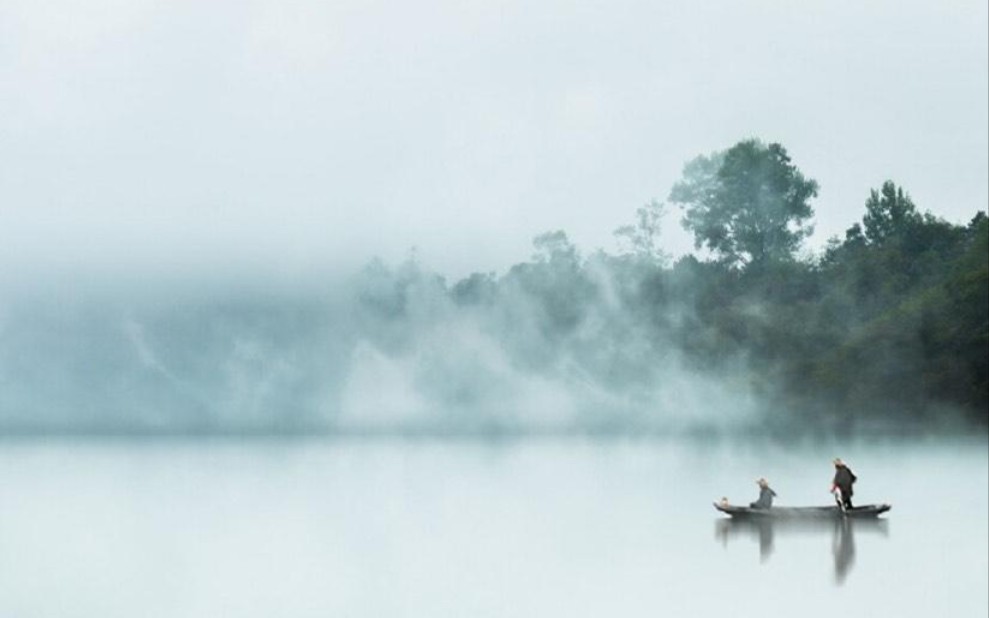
(380, 391)
(454, 376)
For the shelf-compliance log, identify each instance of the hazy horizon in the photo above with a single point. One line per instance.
(147, 137)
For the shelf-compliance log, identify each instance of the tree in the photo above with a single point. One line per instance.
(641, 239)
(889, 212)
(553, 286)
(748, 204)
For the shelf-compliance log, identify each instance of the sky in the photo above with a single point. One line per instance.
(292, 136)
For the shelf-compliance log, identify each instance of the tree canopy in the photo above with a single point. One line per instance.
(889, 212)
(749, 204)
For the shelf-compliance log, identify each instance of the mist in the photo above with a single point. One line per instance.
(628, 342)
(549, 346)
(447, 308)
(192, 198)
(885, 327)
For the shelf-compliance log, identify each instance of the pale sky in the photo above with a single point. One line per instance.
(290, 135)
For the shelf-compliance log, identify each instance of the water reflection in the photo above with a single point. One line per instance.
(842, 533)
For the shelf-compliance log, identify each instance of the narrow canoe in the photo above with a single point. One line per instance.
(804, 512)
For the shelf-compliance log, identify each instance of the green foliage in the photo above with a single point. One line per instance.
(749, 204)
(889, 324)
(542, 304)
(889, 212)
(912, 294)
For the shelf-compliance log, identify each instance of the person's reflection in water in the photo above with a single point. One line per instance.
(765, 527)
(762, 529)
(841, 529)
(843, 548)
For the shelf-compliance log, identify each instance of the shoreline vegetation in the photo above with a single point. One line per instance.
(887, 329)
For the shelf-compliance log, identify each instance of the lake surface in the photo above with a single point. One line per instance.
(538, 527)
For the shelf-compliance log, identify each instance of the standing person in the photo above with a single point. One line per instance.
(766, 495)
(844, 478)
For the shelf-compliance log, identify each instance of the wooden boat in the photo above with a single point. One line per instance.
(803, 512)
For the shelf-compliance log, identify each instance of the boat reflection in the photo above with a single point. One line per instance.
(842, 531)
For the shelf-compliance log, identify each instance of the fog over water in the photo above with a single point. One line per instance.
(334, 309)
(160, 159)
(452, 528)
(559, 343)
(387, 350)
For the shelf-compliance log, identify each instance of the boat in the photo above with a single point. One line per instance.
(803, 512)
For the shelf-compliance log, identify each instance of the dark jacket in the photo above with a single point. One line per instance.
(843, 479)
(765, 500)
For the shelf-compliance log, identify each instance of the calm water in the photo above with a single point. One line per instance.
(527, 528)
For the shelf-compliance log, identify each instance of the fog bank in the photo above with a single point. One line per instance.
(387, 350)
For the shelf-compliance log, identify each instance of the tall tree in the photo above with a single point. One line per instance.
(749, 204)
(889, 212)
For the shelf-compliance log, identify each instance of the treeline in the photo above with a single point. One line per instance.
(889, 325)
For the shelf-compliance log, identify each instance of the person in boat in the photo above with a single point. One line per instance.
(843, 480)
(766, 495)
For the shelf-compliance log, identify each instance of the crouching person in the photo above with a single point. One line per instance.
(766, 495)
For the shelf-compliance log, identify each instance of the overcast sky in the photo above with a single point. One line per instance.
(293, 134)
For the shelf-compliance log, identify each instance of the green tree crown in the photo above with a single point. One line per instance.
(749, 204)
(889, 212)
